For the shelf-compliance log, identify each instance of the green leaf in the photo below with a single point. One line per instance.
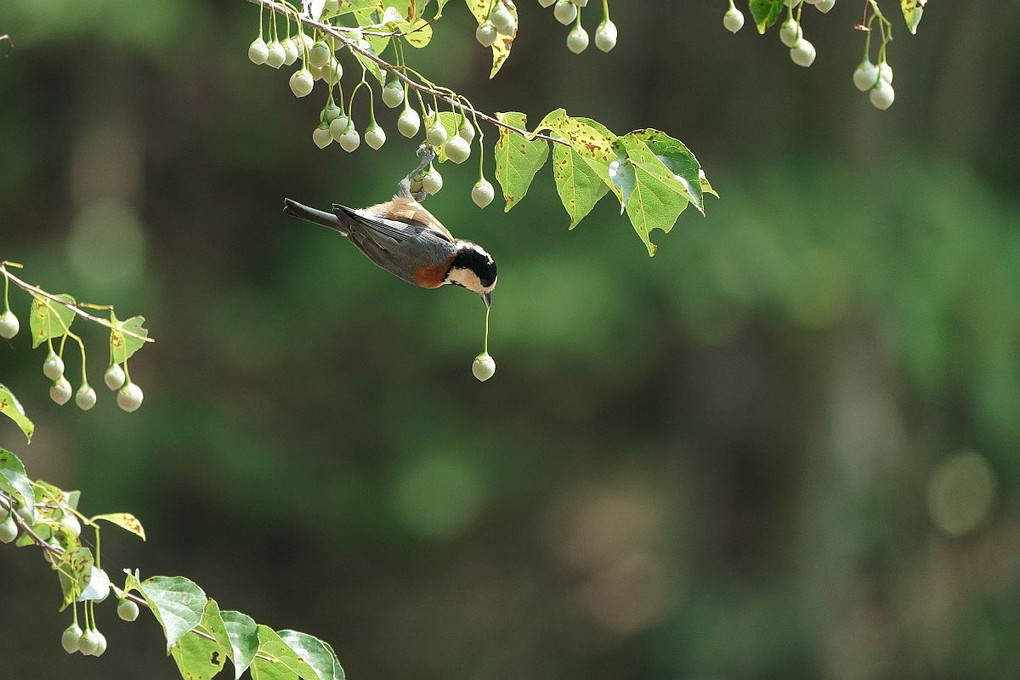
(242, 632)
(197, 657)
(284, 662)
(517, 158)
(577, 184)
(74, 569)
(124, 520)
(49, 319)
(679, 160)
(912, 11)
(418, 33)
(177, 603)
(591, 140)
(15, 482)
(765, 12)
(12, 408)
(653, 198)
(126, 337)
(315, 653)
(500, 48)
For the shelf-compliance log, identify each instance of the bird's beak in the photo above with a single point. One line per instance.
(487, 299)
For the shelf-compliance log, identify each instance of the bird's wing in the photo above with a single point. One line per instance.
(406, 209)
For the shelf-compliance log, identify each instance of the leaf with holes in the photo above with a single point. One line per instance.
(50, 319)
(517, 158)
(12, 408)
(197, 656)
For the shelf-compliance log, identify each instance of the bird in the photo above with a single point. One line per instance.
(405, 239)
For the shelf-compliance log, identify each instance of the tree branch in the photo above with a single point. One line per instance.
(339, 34)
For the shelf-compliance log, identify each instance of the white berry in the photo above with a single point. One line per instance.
(277, 55)
(733, 20)
(865, 76)
(605, 36)
(503, 20)
(802, 53)
(8, 530)
(53, 367)
(319, 54)
(577, 40)
(375, 136)
(393, 94)
(114, 377)
(337, 126)
(432, 182)
(258, 51)
(565, 12)
(486, 34)
(790, 32)
(882, 95)
(436, 134)
(466, 131)
(301, 83)
(457, 149)
(483, 367)
(85, 397)
(824, 6)
(130, 397)
(350, 139)
(69, 638)
(546, 3)
(9, 325)
(60, 391)
(88, 643)
(290, 51)
(321, 136)
(885, 71)
(409, 122)
(482, 193)
(127, 610)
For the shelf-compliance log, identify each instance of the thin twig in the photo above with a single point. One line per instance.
(75, 307)
(390, 68)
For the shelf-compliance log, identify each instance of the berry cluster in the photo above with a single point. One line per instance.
(451, 134)
(867, 77)
(569, 12)
(129, 394)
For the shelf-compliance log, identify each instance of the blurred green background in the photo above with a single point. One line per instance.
(785, 447)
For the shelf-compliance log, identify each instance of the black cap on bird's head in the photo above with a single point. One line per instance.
(474, 269)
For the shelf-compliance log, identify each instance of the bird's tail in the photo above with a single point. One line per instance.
(325, 219)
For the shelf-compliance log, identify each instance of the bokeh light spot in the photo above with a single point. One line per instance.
(439, 496)
(107, 244)
(961, 493)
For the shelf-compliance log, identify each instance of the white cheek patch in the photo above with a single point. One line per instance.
(464, 277)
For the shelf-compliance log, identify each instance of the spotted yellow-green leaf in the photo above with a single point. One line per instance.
(242, 632)
(125, 521)
(50, 319)
(126, 337)
(12, 408)
(912, 11)
(74, 569)
(765, 13)
(578, 185)
(517, 158)
(417, 33)
(591, 140)
(198, 657)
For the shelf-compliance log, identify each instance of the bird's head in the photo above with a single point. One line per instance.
(474, 269)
